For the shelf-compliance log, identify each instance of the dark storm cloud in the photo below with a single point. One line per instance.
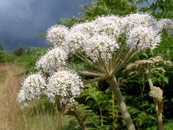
(22, 20)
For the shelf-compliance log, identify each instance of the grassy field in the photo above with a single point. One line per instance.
(39, 116)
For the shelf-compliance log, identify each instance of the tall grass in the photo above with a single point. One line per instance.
(39, 116)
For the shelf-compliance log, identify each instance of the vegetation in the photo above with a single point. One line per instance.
(97, 101)
(19, 51)
(1, 47)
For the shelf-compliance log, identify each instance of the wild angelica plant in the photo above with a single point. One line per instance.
(147, 67)
(106, 44)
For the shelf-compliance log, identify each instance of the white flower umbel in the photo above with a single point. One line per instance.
(52, 60)
(75, 41)
(116, 19)
(101, 46)
(134, 20)
(156, 93)
(141, 38)
(166, 24)
(32, 88)
(56, 35)
(108, 26)
(88, 28)
(64, 84)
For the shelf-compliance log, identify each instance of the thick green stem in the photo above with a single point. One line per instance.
(159, 114)
(113, 110)
(120, 101)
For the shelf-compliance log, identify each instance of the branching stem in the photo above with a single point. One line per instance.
(81, 121)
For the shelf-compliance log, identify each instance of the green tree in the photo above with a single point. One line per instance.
(102, 7)
(1, 47)
(160, 8)
(19, 50)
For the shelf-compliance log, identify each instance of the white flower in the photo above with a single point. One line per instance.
(88, 28)
(116, 19)
(141, 38)
(75, 41)
(134, 20)
(56, 35)
(100, 47)
(156, 93)
(166, 24)
(22, 98)
(52, 60)
(32, 88)
(108, 26)
(64, 84)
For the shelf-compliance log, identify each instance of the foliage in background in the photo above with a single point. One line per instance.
(1, 47)
(26, 58)
(19, 51)
(102, 8)
(160, 8)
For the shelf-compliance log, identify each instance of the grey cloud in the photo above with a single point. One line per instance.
(22, 20)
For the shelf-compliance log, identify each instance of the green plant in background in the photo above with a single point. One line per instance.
(152, 65)
(19, 51)
(1, 47)
(102, 8)
(5, 57)
(160, 8)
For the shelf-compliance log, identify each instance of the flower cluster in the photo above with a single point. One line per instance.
(88, 29)
(33, 87)
(141, 38)
(156, 93)
(151, 64)
(101, 47)
(75, 41)
(100, 36)
(109, 26)
(135, 20)
(52, 60)
(56, 35)
(166, 24)
(97, 39)
(71, 107)
(97, 42)
(64, 84)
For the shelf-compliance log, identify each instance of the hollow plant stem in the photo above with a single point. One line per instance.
(120, 101)
(159, 114)
(81, 121)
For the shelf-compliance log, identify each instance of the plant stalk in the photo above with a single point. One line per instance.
(120, 101)
(81, 121)
(159, 114)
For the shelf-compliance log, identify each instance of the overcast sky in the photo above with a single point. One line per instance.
(22, 20)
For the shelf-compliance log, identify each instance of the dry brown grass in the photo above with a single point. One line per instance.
(9, 86)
